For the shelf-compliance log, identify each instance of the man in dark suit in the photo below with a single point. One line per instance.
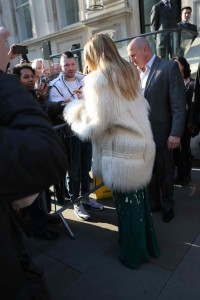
(163, 87)
(164, 15)
(186, 13)
(186, 37)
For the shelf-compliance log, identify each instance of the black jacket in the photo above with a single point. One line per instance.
(188, 26)
(31, 159)
(195, 107)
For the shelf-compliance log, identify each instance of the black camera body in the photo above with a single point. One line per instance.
(44, 79)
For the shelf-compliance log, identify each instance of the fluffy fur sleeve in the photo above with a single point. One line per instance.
(90, 117)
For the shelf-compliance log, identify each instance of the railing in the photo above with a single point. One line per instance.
(164, 43)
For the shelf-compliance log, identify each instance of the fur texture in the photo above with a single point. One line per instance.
(123, 146)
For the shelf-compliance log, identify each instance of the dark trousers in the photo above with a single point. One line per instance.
(38, 217)
(183, 157)
(160, 188)
(166, 44)
(37, 214)
(80, 155)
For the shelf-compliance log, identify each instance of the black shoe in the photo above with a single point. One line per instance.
(48, 235)
(32, 268)
(177, 180)
(54, 219)
(168, 215)
(185, 181)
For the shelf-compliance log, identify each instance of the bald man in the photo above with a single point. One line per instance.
(163, 87)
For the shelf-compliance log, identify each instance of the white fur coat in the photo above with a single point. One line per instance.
(122, 141)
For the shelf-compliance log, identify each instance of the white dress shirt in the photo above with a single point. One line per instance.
(144, 75)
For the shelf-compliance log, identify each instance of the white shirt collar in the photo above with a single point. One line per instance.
(150, 62)
(164, 1)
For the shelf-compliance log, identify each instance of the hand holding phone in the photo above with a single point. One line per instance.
(79, 93)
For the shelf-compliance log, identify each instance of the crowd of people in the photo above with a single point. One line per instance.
(130, 122)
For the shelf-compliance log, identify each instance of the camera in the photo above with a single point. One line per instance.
(44, 79)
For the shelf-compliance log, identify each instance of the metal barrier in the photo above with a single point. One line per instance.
(57, 211)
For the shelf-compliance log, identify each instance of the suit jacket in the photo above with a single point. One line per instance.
(188, 26)
(187, 35)
(165, 92)
(161, 18)
(195, 107)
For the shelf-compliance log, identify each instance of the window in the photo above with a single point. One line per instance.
(67, 12)
(24, 21)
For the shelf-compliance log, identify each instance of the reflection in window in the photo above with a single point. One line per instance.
(24, 21)
(68, 12)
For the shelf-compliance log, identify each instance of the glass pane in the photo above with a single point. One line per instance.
(20, 2)
(25, 22)
(147, 9)
(68, 12)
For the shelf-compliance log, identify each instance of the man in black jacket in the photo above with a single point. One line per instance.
(163, 87)
(32, 158)
(186, 13)
(186, 37)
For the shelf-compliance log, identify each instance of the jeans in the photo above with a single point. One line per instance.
(80, 156)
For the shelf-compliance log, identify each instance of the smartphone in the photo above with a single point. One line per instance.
(25, 58)
(19, 49)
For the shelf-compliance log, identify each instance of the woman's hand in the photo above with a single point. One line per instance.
(42, 89)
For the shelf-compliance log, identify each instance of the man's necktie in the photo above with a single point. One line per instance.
(167, 5)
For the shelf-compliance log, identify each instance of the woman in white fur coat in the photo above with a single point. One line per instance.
(114, 116)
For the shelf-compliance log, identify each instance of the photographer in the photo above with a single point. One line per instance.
(32, 158)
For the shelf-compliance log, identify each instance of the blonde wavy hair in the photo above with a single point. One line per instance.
(100, 53)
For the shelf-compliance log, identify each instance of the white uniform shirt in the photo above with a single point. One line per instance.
(61, 90)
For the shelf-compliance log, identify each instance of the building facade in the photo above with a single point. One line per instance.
(53, 26)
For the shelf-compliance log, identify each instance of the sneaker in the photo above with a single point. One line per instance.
(81, 212)
(90, 203)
